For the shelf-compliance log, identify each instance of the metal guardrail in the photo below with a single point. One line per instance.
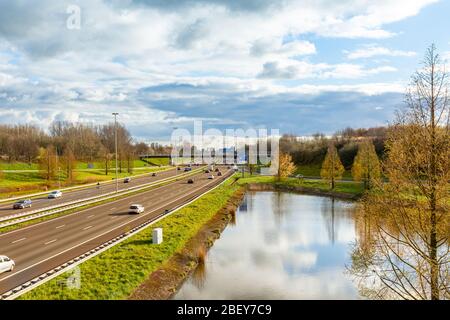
(53, 273)
(27, 216)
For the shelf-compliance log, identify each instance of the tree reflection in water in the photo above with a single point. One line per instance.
(391, 257)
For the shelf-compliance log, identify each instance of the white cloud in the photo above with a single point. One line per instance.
(372, 51)
(221, 46)
(291, 69)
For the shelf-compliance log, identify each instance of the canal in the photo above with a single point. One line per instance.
(280, 246)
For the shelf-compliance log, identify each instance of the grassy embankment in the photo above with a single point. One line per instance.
(313, 170)
(352, 188)
(115, 273)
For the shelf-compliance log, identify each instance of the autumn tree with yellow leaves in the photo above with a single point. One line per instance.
(332, 168)
(404, 252)
(366, 166)
(286, 166)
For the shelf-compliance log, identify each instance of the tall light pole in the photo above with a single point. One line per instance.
(115, 114)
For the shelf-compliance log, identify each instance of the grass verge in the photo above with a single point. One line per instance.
(352, 188)
(23, 183)
(115, 273)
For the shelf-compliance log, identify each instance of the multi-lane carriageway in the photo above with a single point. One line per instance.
(92, 191)
(49, 244)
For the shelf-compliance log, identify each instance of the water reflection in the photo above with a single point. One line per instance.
(284, 246)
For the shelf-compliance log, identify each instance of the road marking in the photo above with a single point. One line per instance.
(50, 241)
(87, 227)
(114, 217)
(18, 240)
(93, 215)
(61, 226)
(113, 209)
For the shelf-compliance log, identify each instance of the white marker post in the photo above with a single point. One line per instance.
(157, 236)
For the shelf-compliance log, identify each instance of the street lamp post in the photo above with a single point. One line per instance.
(115, 114)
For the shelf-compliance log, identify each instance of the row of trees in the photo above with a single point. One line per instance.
(366, 165)
(312, 150)
(67, 142)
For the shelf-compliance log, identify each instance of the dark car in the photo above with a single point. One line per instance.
(206, 171)
(219, 174)
(190, 181)
(217, 170)
(127, 180)
(178, 168)
(154, 174)
(187, 169)
(22, 204)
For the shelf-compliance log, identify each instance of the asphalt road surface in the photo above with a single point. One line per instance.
(68, 196)
(39, 248)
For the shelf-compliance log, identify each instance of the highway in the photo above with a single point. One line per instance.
(41, 247)
(92, 191)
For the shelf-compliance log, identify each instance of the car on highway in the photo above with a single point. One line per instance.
(235, 168)
(219, 174)
(217, 170)
(22, 204)
(136, 208)
(127, 180)
(6, 264)
(54, 194)
(178, 168)
(187, 169)
(154, 174)
(206, 171)
(211, 177)
(190, 181)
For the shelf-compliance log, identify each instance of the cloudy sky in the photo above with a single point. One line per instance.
(299, 66)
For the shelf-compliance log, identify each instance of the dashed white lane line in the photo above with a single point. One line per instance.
(113, 209)
(93, 215)
(16, 241)
(87, 227)
(51, 241)
(114, 217)
(59, 227)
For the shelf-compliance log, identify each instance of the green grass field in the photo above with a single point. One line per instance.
(115, 273)
(313, 170)
(19, 183)
(18, 166)
(158, 161)
(354, 188)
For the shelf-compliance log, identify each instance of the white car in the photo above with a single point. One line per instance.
(136, 208)
(211, 177)
(55, 194)
(6, 264)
